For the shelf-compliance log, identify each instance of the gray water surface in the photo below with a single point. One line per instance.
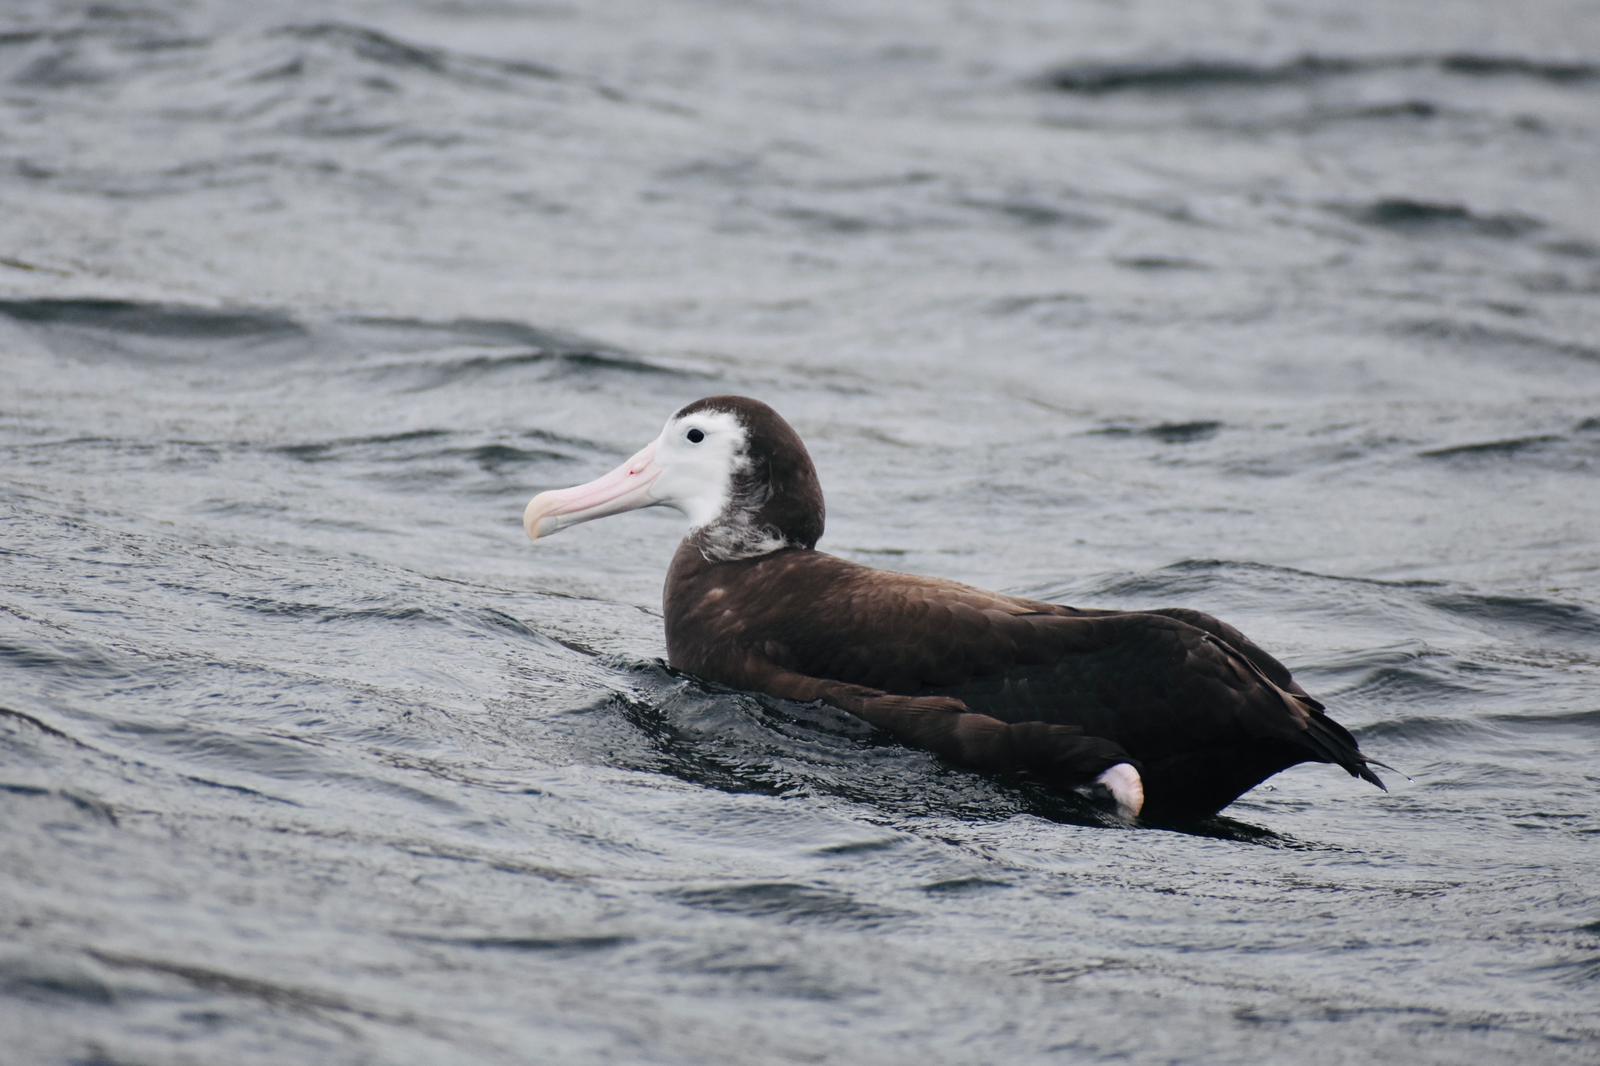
(1287, 312)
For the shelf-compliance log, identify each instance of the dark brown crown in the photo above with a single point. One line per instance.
(778, 489)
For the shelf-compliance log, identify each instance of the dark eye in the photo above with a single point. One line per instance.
(695, 436)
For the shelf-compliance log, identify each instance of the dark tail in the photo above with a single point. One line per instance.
(1334, 744)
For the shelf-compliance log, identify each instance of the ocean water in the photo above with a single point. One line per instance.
(1285, 311)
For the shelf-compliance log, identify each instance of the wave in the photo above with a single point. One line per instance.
(786, 902)
(1521, 615)
(42, 726)
(1548, 451)
(279, 996)
(321, 451)
(1398, 109)
(1424, 730)
(415, 333)
(1493, 449)
(449, 369)
(76, 660)
(1496, 341)
(1190, 575)
(1406, 215)
(1165, 432)
(164, 321)
(298, 768)
(381, 447)
(385, 50)
(424, 354)
(52, 976)
(65, 56)
(414, 353)
(1418, 681)
(1195, 74)
(577, 944)
(1583, 724)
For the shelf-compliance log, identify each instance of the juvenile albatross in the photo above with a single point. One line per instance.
(1169, 714)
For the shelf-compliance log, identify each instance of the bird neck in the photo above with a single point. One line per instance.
(736, 535)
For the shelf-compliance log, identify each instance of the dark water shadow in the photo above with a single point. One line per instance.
(1192, 75)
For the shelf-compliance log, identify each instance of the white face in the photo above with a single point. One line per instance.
(690, 467)
(698, 455)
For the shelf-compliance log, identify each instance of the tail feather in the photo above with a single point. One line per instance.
(1330, 741)
(1334, 742)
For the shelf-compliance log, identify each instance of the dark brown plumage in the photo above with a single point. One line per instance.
(992, 682)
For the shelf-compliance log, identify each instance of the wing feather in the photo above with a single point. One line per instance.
(1004, 683)
(1154, 682)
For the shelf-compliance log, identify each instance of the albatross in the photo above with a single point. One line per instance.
(1165, 715)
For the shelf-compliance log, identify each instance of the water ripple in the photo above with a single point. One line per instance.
(1190, 75)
